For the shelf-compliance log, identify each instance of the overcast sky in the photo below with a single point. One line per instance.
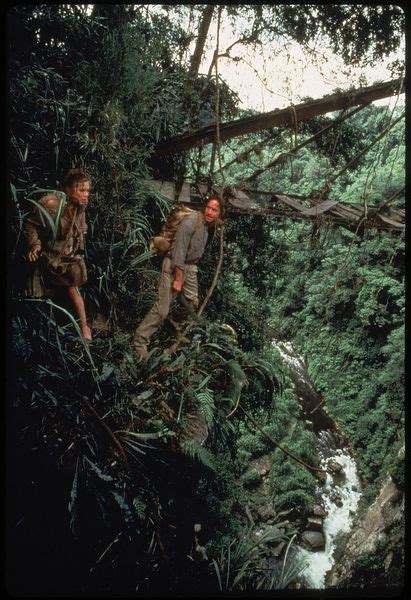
(282, 77)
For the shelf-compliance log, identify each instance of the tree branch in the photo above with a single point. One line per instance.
(216, 274)
(106, 427)
(273, 441)
(216, 146)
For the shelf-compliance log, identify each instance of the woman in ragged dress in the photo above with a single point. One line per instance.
(60, 262)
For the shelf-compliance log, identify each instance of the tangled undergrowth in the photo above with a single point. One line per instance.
(144, 453)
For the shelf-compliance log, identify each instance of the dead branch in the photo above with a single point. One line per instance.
(216, 274)
(182, 335)
(106, 427)
(273, 441)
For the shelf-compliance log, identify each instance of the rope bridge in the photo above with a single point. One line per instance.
(353, 216)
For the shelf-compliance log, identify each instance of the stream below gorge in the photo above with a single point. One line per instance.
(339, 494)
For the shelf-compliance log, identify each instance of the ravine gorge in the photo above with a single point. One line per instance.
(259, 447)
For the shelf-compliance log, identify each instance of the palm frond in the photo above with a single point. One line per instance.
(96, 469)
(124, 507)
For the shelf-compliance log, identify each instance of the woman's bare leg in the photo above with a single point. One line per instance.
(78, 303)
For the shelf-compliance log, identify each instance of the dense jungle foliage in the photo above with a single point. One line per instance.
(135, 477)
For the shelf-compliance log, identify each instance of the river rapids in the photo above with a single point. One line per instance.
(338, 495)
(339, 515)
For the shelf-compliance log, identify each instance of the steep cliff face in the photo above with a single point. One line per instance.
(372, 556)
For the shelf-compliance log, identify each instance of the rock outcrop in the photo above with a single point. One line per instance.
(374, 547)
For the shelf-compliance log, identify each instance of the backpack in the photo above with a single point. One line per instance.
(161, 243)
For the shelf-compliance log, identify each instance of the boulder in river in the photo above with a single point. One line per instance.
(284, 513)
(318, 511)
(315, 540)
(336, 499)
(315, 524)
(278, 549)
(372, 539)
(335, 468)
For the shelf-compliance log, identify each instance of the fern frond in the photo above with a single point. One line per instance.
(198, 452)
(124, 507)
(95, 469)
(206, 404)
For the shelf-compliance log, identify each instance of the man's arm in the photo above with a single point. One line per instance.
(179, 250)
(177, 284)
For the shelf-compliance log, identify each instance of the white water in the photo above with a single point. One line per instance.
(338, 519)
(289, 356)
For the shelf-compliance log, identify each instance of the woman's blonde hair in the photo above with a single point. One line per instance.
(74, 176)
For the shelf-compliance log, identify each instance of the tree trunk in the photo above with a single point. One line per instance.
(285, 117)
(201, 38)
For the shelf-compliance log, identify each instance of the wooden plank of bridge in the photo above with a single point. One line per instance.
(348, 215)
(185, 193)
(319, 208)
(291, 202)
(242, 200)
(387, 221)
(351, 213)
(166, 188)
